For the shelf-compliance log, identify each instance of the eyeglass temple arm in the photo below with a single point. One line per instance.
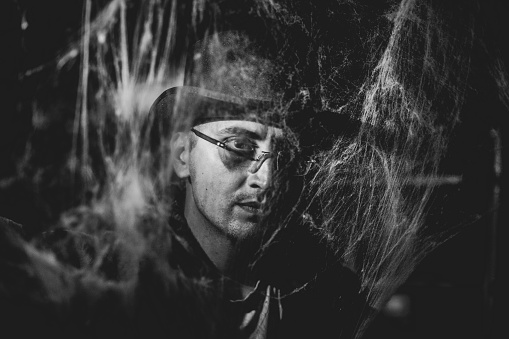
(264, 155)
(207, 138)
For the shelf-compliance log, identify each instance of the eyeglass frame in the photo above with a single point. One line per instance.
(260, 158)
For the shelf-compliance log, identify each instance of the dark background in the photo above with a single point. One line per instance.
(456, 292)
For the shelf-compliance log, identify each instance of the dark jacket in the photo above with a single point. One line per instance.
(52, 288)
(176, 291)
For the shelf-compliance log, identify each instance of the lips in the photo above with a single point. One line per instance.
(251, 206)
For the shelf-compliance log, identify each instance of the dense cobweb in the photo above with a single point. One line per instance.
(395, 73)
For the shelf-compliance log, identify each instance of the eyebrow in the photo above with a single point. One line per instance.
(241, 131)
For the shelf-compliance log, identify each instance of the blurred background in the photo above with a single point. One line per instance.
(456, 292)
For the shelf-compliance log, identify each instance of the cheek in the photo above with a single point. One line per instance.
(233, 162)
(210, 183)
(213, 197)
(214, 181)
(214, 186)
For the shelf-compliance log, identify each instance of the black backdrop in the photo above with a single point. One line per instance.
(456, 292)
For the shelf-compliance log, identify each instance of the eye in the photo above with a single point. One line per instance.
(241, 145)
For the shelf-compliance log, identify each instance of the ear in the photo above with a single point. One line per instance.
(180, 148)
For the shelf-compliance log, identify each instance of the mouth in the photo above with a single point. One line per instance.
(253, 207)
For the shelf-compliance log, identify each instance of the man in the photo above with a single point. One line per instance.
(226, 166)
(225, 153)
(225, 127)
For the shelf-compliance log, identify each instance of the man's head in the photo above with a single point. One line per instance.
(228, 165)
(222, 125)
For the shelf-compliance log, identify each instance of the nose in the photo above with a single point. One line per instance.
(259, 173)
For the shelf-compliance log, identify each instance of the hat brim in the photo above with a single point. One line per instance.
(198, 106)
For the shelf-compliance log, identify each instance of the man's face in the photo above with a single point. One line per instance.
(226, 187)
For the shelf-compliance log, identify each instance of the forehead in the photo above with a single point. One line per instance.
(228, 127)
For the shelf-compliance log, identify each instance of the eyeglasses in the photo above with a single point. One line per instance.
(241, 151)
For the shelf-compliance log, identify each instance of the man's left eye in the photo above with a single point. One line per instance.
(240, 144)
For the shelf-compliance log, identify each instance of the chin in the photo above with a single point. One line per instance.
(241, 230)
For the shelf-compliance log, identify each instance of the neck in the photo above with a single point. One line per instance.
(218, 246)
